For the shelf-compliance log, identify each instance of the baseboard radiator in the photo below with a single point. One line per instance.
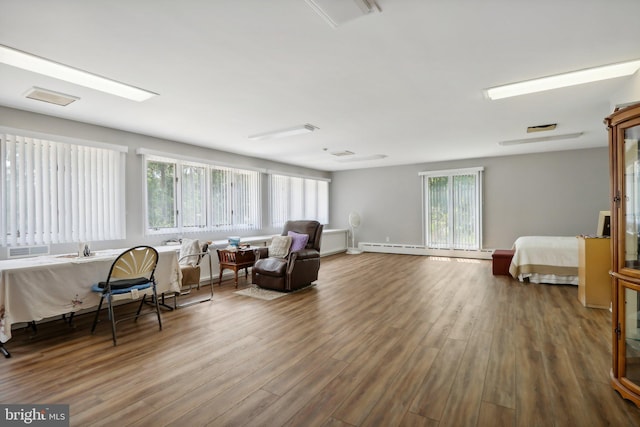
(27, 251)
(405, 249)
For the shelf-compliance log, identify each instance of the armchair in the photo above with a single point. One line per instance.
(298, 268)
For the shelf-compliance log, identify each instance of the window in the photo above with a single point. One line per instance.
(161, 195)
(453, 209)
(298, 198)
(194, 196)
(59, 192)
(236, 199)
(187, 196)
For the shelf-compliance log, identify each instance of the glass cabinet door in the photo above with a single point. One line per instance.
(632, 335)
(631, 198)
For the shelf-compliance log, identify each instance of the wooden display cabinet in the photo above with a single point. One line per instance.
(624, 154)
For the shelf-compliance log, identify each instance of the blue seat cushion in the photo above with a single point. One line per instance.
(123, 286)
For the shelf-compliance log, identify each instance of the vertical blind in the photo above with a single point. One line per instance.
(186, 196)
(57, 192)
(453, 208)
(237, 202)
(298, 198)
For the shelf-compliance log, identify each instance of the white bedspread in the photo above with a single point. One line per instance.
(546, 259)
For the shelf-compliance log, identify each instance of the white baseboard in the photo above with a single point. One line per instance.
(405, 249)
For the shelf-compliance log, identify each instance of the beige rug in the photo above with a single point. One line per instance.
(254, 291)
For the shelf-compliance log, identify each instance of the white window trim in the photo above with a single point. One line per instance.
(64, 139)
(479, 193)
(163, 156)
(180, 161)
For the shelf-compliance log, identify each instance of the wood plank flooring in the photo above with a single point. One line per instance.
(381, 340)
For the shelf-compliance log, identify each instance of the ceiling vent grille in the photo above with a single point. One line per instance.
(343, 153)
(50, 96)
(541, 128)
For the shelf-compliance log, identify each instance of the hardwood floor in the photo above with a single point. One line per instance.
(381, 340)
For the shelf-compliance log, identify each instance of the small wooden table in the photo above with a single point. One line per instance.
(236, 260)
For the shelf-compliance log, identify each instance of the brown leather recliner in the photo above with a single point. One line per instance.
(298, 269)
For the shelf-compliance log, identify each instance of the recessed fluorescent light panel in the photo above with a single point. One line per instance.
(564, 80)
(36, 64)
(336, 12)
(541, 139)
(361, 158)
(296, 130)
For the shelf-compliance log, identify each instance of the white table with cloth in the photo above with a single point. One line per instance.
(37, 288)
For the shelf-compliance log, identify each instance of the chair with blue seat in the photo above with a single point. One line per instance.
(131, 277)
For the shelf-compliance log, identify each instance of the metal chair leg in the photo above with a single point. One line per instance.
(140, 307)
(155, 297)
(113, 319)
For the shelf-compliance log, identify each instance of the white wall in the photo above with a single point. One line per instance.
(558, 193)
(134, 170)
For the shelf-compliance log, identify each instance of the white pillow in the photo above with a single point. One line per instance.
(189, 247)
(279, 247)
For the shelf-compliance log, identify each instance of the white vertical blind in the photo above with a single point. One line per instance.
(279, 200)
(57, 192)
(453, 209)
(209, 197)
(298, 198)
(238, 199)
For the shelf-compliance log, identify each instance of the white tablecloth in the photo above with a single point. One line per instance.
(48, 286)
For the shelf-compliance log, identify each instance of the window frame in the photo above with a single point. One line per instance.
(211, 223)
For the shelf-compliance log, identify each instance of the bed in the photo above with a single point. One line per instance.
(545, 259)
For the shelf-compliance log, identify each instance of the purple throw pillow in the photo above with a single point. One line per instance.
(298, 241)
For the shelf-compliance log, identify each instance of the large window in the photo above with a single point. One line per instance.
(453, 209)
(187, 196)
(298, 198)
(59, 192)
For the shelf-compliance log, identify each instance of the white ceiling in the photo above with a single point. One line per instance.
(406, 83)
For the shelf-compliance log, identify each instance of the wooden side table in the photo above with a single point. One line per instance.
(236, 260)
(594, 264)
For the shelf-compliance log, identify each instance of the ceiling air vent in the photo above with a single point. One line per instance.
(343, 153)
(50, 96)
(541, 128)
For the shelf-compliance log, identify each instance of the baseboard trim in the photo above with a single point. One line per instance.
(406, 249)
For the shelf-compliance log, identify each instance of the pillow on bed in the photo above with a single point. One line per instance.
(299, 241)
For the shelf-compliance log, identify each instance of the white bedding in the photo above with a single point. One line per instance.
(545, 259)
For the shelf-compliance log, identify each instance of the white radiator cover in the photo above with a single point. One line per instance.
(27, 251)
(406, 249)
